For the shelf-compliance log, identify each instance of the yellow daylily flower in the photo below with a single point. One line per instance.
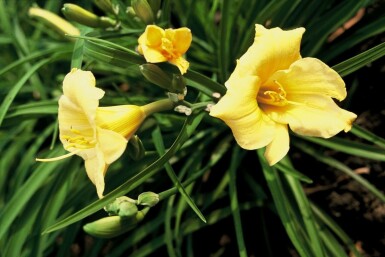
(98, 134)
(273, 88)
(158, 45)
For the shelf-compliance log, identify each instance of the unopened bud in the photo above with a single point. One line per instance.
(178, 84)
(82, 16)
(130, 11)
(155, 5)
(149, 199)
(104, 5)
(135, 148)
(127, 209)
(143, 11)
(156, 75)
(113, 226)
(122, 206)
(54, 21)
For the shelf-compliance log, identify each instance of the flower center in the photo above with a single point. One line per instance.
(273, 95)
(168, 48)
(78, 141)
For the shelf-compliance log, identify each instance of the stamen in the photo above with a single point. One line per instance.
(78, 142)
(273, 97)
(168, 48)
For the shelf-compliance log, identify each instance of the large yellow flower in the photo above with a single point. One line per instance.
(158, 45)
(273, 87)
(98, 134)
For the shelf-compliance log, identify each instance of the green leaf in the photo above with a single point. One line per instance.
(33, 110)
(159, 145)
(290, 170)
(16, 88)
(35, 55)
(26, 191)
(236, 159)
(367, 135)
(350, 147)
(306, 213)
(352, 64)
(366, 31)
(285, 209)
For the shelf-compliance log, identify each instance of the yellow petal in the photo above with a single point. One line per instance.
(311, 76)
(96, 168)
(251, 128)
(313, 115)
(79, 87)
(152, 36)
(111, 144)
(122, 119)
(279, 147)
(181, 39)
(272, 50)
(181, 63)
(153, 55)
(71, 120)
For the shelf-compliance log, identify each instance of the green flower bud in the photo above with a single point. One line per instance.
(121, 206)
(104, 5)
(155, 5)
(113, 226)
(156, 75)
(130, 11)
(178, 84)
(127, 209)
(143, 11)
(82, 16)
(149, 199)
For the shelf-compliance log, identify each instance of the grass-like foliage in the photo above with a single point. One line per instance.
(215, 198)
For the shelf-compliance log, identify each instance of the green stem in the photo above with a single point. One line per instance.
(158, 106)
(196, 105)
(200, 105)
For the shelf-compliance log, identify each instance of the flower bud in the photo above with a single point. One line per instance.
(121, 205)
(130, 11)
(143, 11)
(149, 199)
(104, 5)
(82, 16)
(113, 226)
(54, 21)
(155, 5)
(178, 84)
(135, 148)
(127, 209)
(156, 75)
